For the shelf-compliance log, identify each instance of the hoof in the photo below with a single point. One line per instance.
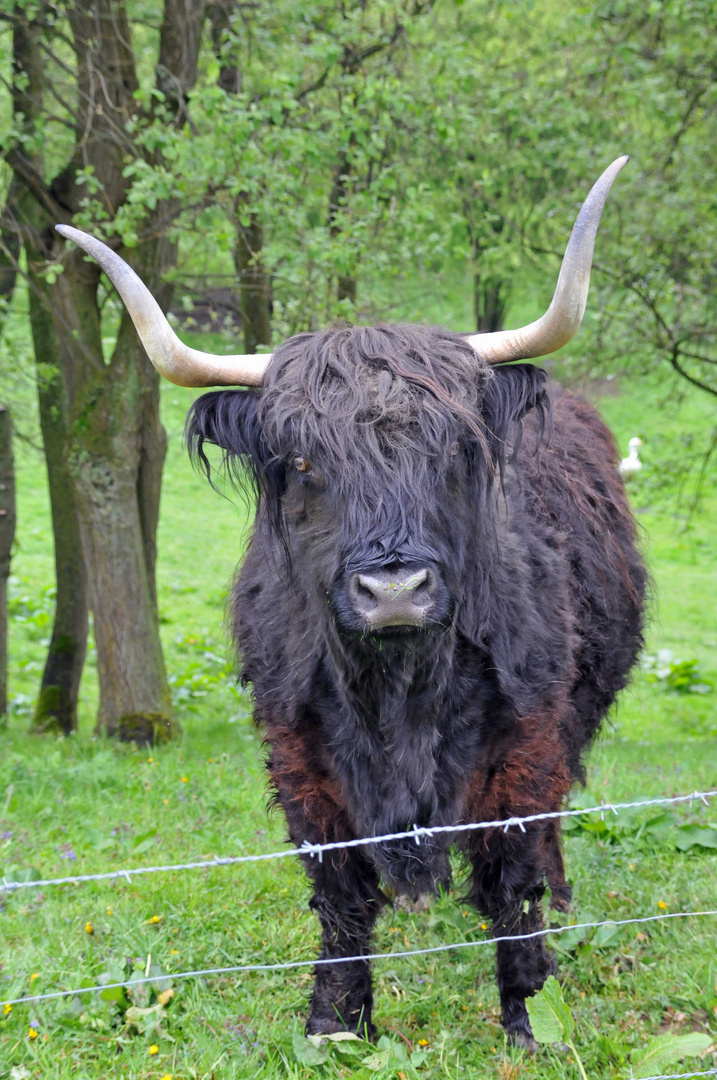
(331, 1025)
(421, 903)
(560, 897)
(523, 1040)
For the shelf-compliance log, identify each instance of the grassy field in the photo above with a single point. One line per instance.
(83, 805)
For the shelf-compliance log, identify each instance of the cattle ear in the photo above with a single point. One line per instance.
(228, 419)
(514, 390)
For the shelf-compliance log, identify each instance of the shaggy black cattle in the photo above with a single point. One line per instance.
(440, 601)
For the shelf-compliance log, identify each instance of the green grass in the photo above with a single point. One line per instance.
(82, 804)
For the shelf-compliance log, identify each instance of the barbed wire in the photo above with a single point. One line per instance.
(321, 961)
(417, 833)
(679, 1076)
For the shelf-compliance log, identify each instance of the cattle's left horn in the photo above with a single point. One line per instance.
(171, 357)
(562, 319)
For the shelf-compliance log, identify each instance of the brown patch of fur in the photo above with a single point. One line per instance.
(528, 774)
(310, 796)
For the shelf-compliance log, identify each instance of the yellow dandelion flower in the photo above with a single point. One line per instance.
(89, 928)
(167, 1076)
(155, 919)
(35, 975)
(110, 910)
(423, 1042)
(8, 1010)
(154, 1049)
(31, 1033)
(484, 926)
(185, 779)
(174, 952)
(150, 760)
(631, 866)
(662, 904)
(165, 801)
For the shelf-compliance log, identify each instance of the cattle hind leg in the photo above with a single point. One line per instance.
(347, 900)
(507, 886)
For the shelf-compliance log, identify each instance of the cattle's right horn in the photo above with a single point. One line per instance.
(562, 319)
(171, 357)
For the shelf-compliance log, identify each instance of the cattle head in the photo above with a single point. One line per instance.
(374, 447)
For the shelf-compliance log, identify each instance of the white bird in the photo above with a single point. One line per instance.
(631, 464)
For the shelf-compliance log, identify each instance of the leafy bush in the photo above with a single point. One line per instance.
(682, 676)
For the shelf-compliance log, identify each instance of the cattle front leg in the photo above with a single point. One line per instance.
(347, 900)
(346, 897)
(507, 886)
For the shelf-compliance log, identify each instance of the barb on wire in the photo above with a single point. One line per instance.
(290, 964)
(317, 850)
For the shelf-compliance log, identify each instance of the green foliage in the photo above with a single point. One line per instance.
(682, 676)
(637, 830)
(32, 611)
(550, 1017)
(665, 1050)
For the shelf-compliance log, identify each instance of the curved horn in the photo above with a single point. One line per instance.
(562, 319)
(171, 357)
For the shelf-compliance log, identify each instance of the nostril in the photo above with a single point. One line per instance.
(424, 593)
(363, 595)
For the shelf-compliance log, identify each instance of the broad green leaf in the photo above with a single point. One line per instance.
(550, 1017)
(306, 1052)
(667, 1049)
(605, 935)
(144, 842)
(335, 1037)
(695, 835)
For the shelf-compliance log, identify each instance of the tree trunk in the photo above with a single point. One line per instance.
(346, 285)
(490, 300)
(7, 535)
(116, 454)
(10, 242)
(254, 287)
(56, 706)
(115, 445)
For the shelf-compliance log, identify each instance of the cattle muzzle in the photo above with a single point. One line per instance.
(393, 599)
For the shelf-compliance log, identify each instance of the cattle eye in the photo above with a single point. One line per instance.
(454, 448)
(301, 464)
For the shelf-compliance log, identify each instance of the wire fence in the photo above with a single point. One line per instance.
(287, 965)
(680, 1076)
(316, 851)
(417, 833)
